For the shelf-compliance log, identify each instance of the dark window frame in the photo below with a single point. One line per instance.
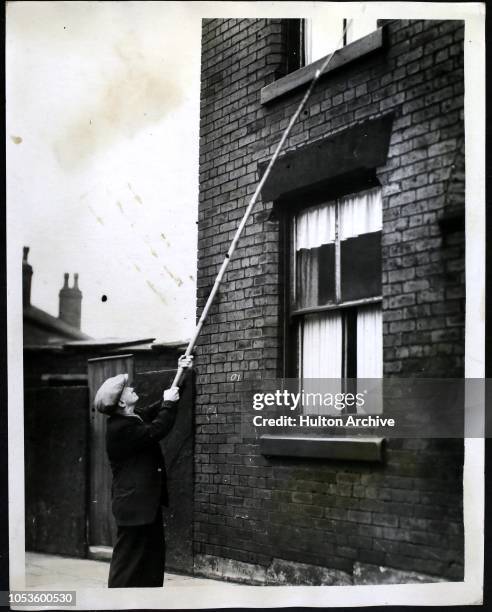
(348, 309)
(310, 444)
(294, 42)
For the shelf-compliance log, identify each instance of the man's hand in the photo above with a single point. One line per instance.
(171, 395)
(185, 362)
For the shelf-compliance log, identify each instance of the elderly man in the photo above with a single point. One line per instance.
(139, 480)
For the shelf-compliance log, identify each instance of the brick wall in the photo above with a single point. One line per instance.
(423, 262)
(406, 513)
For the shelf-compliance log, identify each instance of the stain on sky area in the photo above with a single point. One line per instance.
(135, 195)
(136, 95)
(157, 292)
(16, 139)
(165, 239)
(175, 278)
(98, 218)
(119, 205)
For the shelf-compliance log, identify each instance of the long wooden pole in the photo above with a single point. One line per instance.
(249, 209)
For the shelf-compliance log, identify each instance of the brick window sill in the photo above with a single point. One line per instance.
(346, 55)
(348, 449)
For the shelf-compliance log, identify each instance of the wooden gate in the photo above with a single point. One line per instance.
(102, 528)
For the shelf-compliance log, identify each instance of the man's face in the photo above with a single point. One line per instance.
(129, 397)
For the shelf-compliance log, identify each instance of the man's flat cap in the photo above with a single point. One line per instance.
(109, 393)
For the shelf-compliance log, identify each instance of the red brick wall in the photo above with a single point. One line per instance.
(407, 512)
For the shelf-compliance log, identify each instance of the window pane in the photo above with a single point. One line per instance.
(321, 359)
(361, 213)
(361, 267)
(315, 276)
(315, 256)
(370, 357)
(369, 342)
(360, 246)
(323, 36)
(322, 345)
(359, 27)
(315, 226)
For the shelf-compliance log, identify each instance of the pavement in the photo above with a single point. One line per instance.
(53, 572)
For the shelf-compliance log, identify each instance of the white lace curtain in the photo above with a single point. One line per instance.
(315, 226)
(369, 342)
(360, 213)
(321, 356)
(322, 345)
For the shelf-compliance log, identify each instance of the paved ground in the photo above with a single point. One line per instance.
(51, 572)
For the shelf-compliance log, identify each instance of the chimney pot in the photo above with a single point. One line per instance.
(70, 302)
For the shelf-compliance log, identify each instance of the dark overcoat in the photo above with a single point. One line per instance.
(139, 473)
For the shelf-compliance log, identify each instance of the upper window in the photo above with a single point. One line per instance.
(324, 35)
(335, 300)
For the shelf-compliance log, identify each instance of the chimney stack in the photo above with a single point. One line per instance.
(70, 302)
(26, 279)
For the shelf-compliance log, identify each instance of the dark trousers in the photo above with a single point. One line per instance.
(138, 556)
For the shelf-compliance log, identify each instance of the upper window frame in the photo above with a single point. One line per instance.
(360, 48)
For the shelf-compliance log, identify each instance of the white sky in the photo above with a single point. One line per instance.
(102, 146)
(102, 150)
(105, 97)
